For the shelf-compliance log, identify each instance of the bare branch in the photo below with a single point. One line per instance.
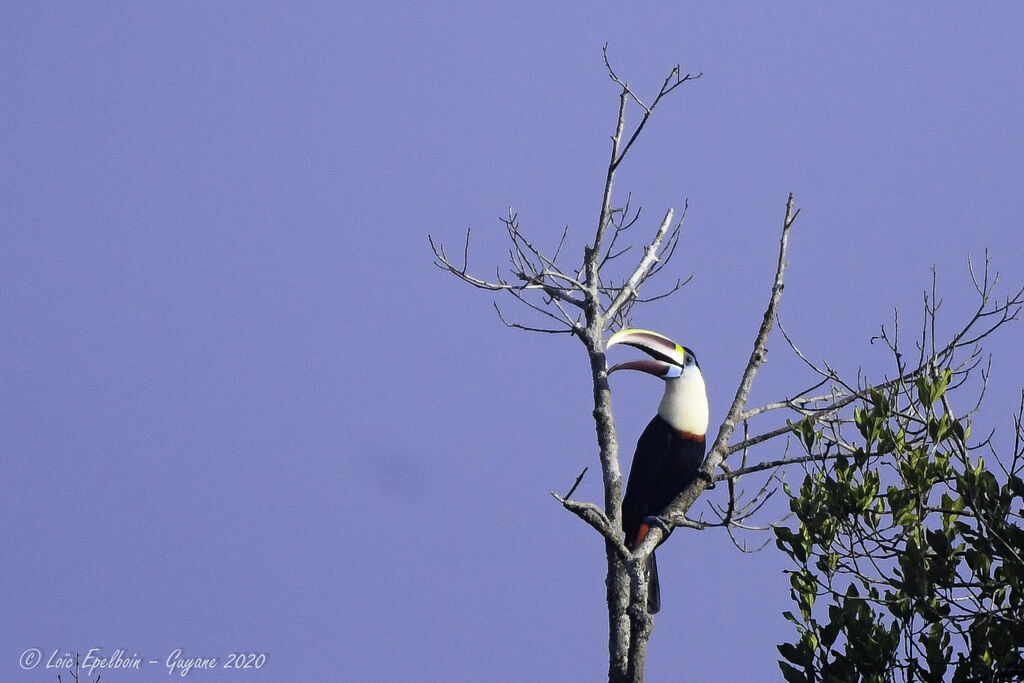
(760, 438)
(596, 518)
(528, 328)
(774, 464)
(672, 81)
(680, 283)
(576, 483)
(629, 288)
(794, 404)
(757, 356)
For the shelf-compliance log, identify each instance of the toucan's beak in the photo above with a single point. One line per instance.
(655, 345)
(667, 356)
(658, 368)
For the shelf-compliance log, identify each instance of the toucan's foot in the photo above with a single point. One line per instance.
(654, 520)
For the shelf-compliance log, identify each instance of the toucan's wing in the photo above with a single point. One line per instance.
(645, 475)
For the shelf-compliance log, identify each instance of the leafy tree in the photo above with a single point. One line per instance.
(908, 545)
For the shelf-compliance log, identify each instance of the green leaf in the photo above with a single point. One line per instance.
(958, 431)
(805, 430)
(1016, 485)
(794, 675)
(792, 653)
(939, 542)
(924, 391)
(979, 562)
(790, 543)
(880, 402)
(804, 591)
(830, 631)
(938, 428)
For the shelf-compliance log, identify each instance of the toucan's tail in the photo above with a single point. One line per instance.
(653, 589)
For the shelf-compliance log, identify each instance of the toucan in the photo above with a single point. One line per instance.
(671, 449)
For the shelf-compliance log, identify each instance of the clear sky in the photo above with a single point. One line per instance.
(240, 411)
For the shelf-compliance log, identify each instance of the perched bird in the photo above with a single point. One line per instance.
(671, 449)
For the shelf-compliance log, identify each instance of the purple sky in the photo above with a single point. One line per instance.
(241, 411)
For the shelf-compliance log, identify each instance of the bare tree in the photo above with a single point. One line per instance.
(588, 300)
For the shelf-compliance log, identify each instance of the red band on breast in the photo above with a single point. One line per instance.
(641, 534)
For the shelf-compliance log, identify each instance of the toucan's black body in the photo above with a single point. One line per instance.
(665, 463)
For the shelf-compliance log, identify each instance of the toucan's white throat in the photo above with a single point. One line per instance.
(685, 403)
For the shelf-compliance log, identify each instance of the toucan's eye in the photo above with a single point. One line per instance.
(689, 359)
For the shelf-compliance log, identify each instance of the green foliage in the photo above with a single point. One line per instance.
(907, 547)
